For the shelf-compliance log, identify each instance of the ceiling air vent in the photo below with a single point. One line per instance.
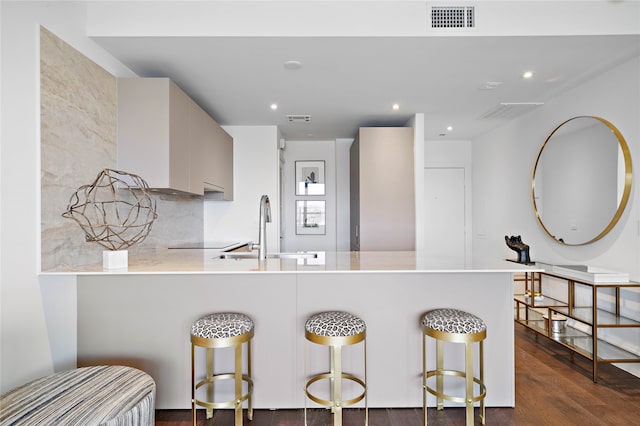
(299, 118)
(509, 109)
(453, 17)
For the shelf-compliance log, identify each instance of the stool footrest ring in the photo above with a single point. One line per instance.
(432, 373)
(328, 403)
(227, 404)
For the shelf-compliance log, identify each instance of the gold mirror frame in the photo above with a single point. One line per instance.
(627, 181)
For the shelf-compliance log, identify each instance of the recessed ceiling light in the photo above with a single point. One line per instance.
(527, 75)
(274, 107)
(293, 65)
(395, 107)
(449, 128)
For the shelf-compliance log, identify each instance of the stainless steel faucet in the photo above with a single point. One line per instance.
(265, 216)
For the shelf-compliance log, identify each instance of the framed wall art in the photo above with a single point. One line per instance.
(310, 217)
(310, 178)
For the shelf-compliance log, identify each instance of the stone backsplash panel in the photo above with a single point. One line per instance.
(78, 106)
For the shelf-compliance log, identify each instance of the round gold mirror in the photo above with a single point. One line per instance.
(581, 180)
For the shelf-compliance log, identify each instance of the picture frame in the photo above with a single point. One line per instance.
(310, 178)
(310, 217)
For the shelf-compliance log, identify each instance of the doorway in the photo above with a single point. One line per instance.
(445, 230)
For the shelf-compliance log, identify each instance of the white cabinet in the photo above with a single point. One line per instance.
(168, 140)
(382, 189)
(218, 168)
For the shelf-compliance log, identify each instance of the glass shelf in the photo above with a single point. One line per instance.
(583, 345)
(534, 320)
(535, 325)
(605, 318)
(543, 302)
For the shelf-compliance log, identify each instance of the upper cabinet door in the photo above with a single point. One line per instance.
(181, 142)
(198, 140)
(219, 157)
(143, 129)
(168, 140)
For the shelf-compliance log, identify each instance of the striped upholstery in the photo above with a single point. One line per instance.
(102, 395)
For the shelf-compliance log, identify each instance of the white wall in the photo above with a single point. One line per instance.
(255, 173)
(503, 165)
(25, 352)
(419, 149)
(343, 238)
(310, 151)
(502, 170)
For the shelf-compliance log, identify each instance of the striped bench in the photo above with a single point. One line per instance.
(101, 395)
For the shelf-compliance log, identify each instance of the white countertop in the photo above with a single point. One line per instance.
(198, 261)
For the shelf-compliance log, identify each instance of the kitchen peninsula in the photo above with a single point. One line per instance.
(141, 317)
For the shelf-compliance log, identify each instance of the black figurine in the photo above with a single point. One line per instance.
(516, 244)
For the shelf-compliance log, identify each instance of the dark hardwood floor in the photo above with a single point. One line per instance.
(552, 388)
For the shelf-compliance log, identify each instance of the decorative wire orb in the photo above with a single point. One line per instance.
(114, 211)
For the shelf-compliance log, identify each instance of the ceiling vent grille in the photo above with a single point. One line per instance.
(299, 118)
(453, 17)
(509, 110)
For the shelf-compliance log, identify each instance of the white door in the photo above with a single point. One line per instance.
(444, 190)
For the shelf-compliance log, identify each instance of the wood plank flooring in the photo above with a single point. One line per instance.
(552, 388)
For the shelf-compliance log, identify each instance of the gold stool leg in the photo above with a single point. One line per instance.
(468, 356)
(332, 379)
(424, 379)
(440, 368)
(482, 413)
(250, 403)
(209, 362)
(304, 387)
(336, 362)
(193, 386)
(238, 383)
(366, 389)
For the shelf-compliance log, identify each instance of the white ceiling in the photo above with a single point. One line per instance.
(348, 82)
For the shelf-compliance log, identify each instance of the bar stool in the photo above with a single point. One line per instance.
(336, 329)
(221, 330)
(453, 325)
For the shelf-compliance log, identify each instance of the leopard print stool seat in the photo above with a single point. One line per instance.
(456, 326)
(221, 330)
(221, 326)
(335, 325)
(453, 321)
(336, 329)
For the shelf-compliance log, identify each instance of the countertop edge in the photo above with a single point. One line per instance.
(207, 262)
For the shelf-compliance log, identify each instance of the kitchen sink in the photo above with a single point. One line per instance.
(253, 255)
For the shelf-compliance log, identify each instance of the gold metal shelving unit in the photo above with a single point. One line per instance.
(530, 311)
